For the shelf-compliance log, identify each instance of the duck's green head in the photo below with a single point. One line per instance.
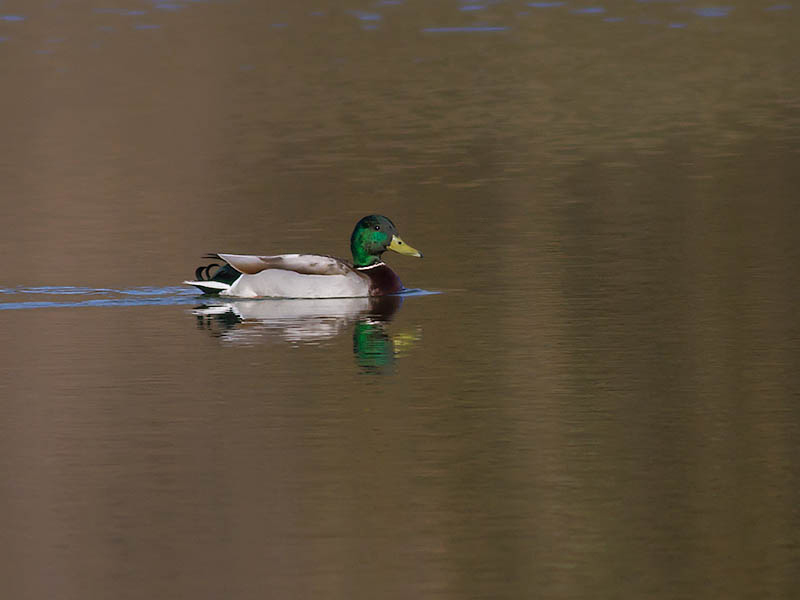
(372, 236)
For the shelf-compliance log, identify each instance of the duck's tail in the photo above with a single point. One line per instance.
(215, 277)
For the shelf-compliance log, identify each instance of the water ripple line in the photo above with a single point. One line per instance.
(103, 297)
(141, 296)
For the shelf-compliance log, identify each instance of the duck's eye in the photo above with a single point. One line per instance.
(377, 227)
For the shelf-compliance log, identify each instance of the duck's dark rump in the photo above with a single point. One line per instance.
(219, 272)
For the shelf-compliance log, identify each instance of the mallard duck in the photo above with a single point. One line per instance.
(312, 275)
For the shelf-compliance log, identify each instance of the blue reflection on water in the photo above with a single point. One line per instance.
(142, 296)
(3, 39)
(462, 29)
(419, 292)
(53, 289)
(589, 10)
(365, 16)
(779, 7)
(545, 4)
(120, 11)
(614, 19)
(470, 7)
(146, 26)
(713, 11)
(12, 18)
(20, 298)
(676, 25)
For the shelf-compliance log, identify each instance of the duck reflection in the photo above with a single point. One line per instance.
(250, 322)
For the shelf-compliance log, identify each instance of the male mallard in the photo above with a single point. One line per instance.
(312, 275)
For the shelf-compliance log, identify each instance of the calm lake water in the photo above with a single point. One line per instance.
(592, 391)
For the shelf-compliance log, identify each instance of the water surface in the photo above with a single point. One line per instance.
(600, 400)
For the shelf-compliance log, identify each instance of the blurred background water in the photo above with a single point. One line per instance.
(599, 399)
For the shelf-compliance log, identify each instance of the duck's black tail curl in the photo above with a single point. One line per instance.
(223, 273)
(215, 277)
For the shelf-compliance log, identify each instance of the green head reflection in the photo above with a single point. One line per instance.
(374, 348)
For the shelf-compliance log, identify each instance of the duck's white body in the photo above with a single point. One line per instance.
(289, 284)
(300, 276)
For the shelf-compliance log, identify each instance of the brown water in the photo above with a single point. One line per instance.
(600, 402)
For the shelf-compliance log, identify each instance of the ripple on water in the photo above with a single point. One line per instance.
(713, 11)
(419, 292)
(120, 11)
(365, 16)
(589, 10)
(475, 29)
(70, 296)
(23, 298)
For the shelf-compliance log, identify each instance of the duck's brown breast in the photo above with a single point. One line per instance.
(383, 281)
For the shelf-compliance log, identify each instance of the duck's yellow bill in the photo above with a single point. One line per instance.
(401, 247)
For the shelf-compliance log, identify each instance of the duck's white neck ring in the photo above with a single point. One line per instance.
(377, 264)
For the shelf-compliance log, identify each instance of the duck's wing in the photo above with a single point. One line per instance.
(305, 264)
